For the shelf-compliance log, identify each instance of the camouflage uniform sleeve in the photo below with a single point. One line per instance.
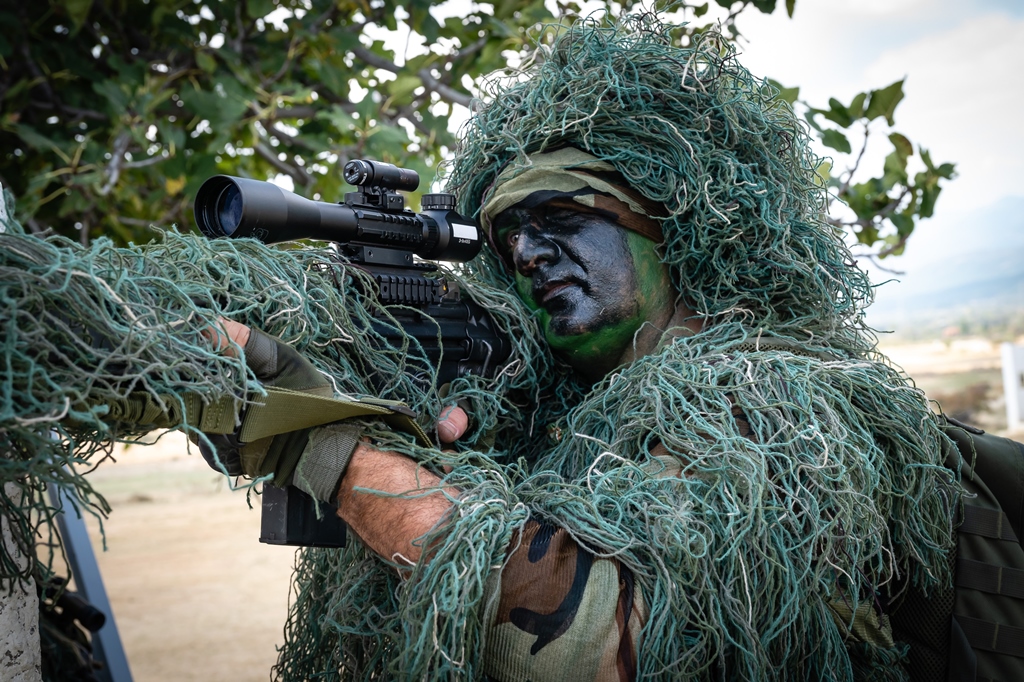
(557, 612)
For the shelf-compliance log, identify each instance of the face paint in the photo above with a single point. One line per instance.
(593, 283)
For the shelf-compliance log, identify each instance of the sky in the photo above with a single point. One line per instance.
(964, 67)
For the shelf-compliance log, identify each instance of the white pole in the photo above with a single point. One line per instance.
(19, 615)
(19, 605)
(1013, 384)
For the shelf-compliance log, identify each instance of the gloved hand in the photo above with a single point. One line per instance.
(312, 459)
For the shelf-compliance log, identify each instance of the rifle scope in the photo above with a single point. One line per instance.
(233, 207)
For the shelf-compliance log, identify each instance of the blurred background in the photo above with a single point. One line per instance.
(957, 291)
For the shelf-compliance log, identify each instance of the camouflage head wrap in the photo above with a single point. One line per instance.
(578, 180)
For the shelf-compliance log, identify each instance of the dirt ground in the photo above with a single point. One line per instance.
(197, 597)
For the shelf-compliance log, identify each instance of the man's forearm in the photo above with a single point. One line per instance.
(390, 525)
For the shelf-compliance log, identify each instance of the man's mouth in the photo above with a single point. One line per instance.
(550, 290)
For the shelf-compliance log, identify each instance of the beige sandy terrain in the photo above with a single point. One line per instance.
(197, 597)
(944, 357)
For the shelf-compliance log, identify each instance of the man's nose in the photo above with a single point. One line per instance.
(531, 249)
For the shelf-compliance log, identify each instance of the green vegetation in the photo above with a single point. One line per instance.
(113, 112)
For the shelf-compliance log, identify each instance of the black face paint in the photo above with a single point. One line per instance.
(590, 280)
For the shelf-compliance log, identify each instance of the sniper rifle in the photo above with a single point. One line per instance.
(373, 230)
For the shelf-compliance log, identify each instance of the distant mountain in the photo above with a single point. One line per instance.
(956, 265)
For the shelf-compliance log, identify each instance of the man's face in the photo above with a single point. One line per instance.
(594, 283)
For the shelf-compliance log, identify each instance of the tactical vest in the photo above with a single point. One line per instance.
(974, 629)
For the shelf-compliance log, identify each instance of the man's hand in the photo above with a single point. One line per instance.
(388, 525)
(391, 525)
(228, 331)
(452, 423)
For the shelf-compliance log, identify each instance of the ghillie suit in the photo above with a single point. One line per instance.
(800, 486)
(83, 328)
(797, 484)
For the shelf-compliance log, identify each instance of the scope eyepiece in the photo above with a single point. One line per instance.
(366, 173)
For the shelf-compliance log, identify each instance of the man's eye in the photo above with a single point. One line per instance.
(511, 238)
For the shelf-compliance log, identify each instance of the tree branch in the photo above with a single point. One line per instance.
(78, 113)
(471, 49)
(282, 136)
(299, 175)
(151, 161)
(873, 257)
(113, 171)
(856, 164)
(37, 75)
(893, 248)
(445, 91)
(431, 83)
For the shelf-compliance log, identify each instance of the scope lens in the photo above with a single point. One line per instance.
(229, 209)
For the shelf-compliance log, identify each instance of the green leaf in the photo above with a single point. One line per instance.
(339, 118)
(823, 172)
(403, 86)
(790, 6)
(868, 235)
(172, 136)
(700, 10)
(257, 9)
(811, 117)
(904, 223)
(838, 114)
(206, 62)
(836, 140)
(883, 102)
(112, 92)
(219, 109)
(386, 142)
(929, 195)
(765, 6)
(895, 168)
(33, 139)
(78, 12)
(856, 108)
(902, 145)
(424, 23)
(788, 94)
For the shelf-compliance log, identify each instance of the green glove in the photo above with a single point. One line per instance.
(277, 364)
(296, 433)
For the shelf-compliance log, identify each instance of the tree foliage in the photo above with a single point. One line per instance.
(113, 112)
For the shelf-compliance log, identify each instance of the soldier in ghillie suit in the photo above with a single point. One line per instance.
(720, 478)
(695, 465)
